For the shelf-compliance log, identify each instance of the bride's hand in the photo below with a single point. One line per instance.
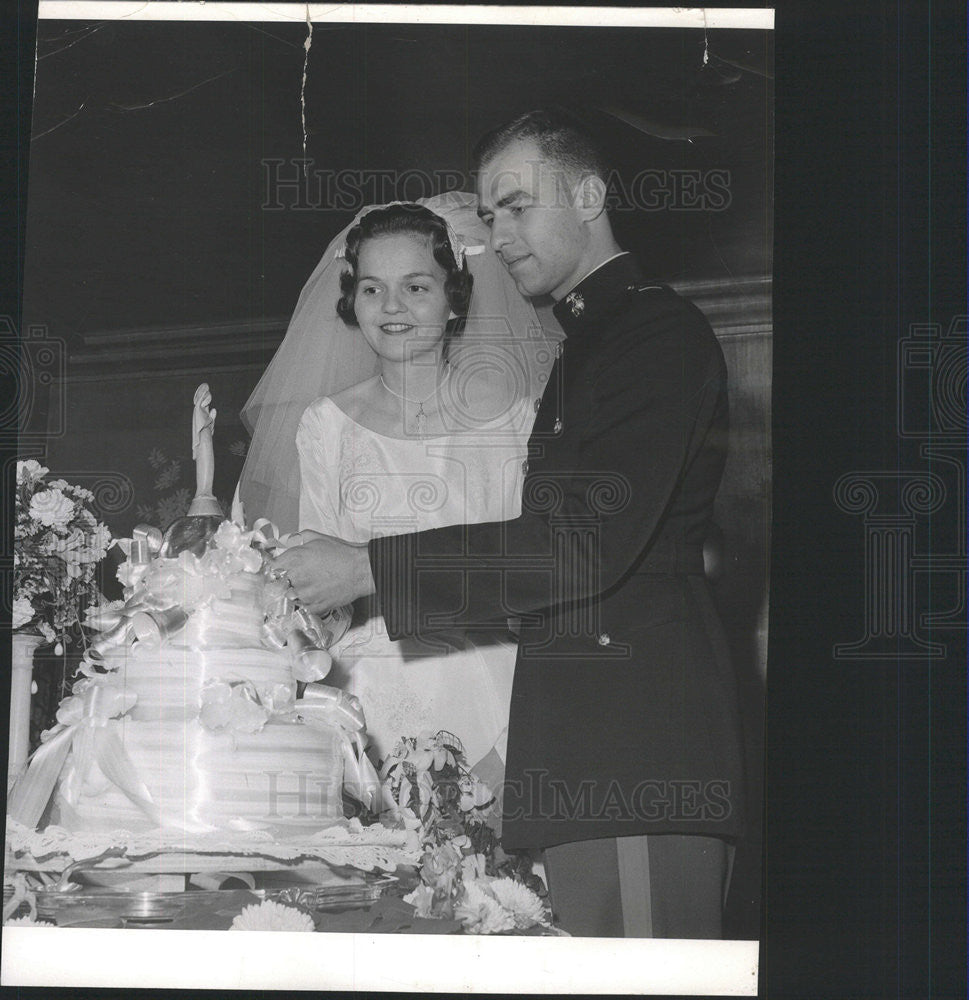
(325, 572)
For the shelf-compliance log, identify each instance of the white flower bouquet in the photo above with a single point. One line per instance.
(58, 542)
(465, 875)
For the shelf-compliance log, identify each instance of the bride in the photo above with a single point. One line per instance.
(427, 363)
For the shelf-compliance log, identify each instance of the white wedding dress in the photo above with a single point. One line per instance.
(356, 483)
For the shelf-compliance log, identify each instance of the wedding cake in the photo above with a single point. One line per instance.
(201, 726)
(201, 708)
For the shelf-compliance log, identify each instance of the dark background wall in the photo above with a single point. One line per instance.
(148, 178)
(170, 229)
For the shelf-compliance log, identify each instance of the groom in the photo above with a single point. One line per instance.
(624, 754)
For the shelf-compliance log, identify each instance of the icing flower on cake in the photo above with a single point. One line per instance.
(187, 581)
(231, 539)
(241, 706)
(272, 916)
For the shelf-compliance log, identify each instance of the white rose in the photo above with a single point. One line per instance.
(23, 611)
(30, 471)
(51, 508)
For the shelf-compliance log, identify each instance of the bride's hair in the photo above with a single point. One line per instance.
(395, 220)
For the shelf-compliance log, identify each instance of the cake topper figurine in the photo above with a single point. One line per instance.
(203, 425)
(193, 531)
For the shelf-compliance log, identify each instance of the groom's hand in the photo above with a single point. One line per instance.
(325, 572)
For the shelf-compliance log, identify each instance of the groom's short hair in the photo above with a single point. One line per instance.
(562, 138)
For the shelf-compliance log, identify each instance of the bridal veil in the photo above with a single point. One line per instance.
(320, 355)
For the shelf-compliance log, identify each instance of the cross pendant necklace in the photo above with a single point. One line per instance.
(420, 416)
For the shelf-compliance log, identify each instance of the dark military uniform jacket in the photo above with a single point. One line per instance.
(624, 715)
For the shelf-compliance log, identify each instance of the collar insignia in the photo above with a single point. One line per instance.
(576, 302)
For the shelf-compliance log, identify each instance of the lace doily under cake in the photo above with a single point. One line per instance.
(347, 844)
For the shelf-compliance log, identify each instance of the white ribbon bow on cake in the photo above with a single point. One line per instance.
(322, 706)
(84, 726)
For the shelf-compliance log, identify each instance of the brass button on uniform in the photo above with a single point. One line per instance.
(525, 467)
(557, 426)
(538, 404)
(604, 639)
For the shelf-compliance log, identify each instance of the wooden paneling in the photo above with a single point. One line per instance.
(740, 313)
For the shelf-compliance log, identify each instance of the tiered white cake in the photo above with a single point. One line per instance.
(209, 732)
(185, 736)
(286, 776)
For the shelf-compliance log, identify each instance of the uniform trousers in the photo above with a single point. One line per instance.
(657, 886)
